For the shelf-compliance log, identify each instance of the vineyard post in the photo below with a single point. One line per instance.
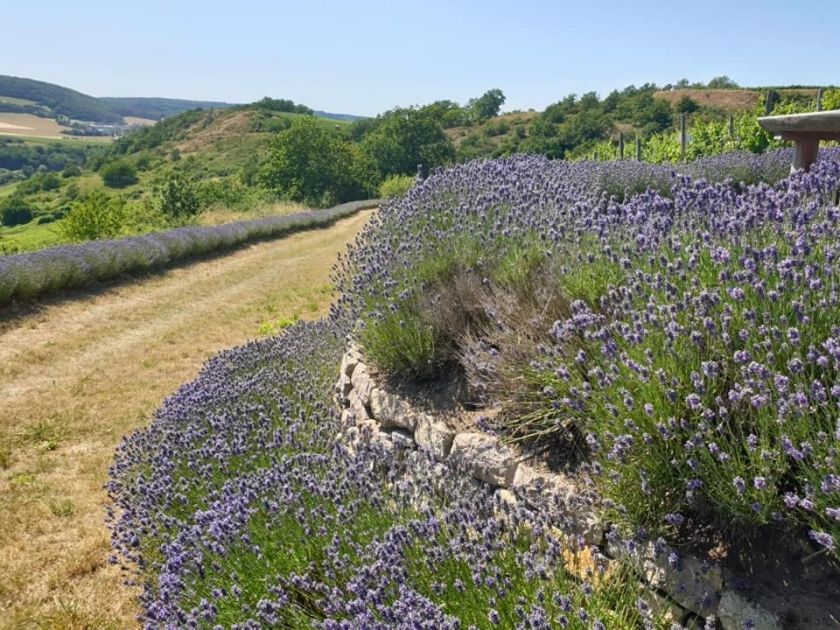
(682, 136)
(621, 146)
(731, 126)
(638, 149)
(819, 99)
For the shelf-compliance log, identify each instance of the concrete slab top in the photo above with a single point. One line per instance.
(814, 123)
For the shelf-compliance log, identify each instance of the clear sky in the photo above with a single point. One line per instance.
(366, 56)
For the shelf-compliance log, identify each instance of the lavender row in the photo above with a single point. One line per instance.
(72, 266)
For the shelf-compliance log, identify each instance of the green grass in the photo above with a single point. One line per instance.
(30, 237)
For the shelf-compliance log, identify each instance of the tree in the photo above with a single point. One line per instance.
(404, 139)
(15, 211)
(722, 83)
(686, 105)
(488, 104)
(178, 198)
(118, 174)
(314, 163)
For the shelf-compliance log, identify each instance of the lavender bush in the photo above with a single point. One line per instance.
(692, 348)
(694, 351)
(240, 509)
(72, 266)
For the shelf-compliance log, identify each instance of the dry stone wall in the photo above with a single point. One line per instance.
(689, 589)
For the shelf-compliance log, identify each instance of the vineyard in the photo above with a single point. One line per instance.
(670, 336)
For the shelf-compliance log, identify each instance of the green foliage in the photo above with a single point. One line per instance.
(403, 139)
(315, 164)
(41, 182)
(831, 99)
(178, 197)
(488, 105)
(119, 174)
(282, 105)
(395, 186)
(722, 83)
(93, 216)
(686, 105)
(228, 193)
(16, 154)
(448, 113)
(15, 211)
(72, 170)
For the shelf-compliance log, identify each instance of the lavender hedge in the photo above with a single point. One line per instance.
(72, 266)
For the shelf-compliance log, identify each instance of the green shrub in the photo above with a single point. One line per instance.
(71, 170)
(95, 215)
(227, 193)
(178, 198)
(119, 174)
(395, 186)
(15, 211)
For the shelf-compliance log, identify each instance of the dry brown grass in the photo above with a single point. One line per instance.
(77, 375)
(134, 120)
(29, 125)
(218, 216)
(727, 100)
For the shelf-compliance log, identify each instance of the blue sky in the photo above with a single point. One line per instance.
(366, 56)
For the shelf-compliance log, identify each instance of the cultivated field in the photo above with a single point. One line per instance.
(31, 126)
(77, 375)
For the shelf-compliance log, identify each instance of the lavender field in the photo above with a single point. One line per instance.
(674, 337)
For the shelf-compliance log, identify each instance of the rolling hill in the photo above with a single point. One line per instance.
(27, 96)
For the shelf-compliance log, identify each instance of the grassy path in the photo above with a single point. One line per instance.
(75, 376)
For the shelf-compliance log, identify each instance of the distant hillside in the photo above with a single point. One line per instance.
(27, 96)
(341, 117)
(47, 98)
(156, 108)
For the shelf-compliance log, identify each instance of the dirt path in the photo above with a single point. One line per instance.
(77, 375)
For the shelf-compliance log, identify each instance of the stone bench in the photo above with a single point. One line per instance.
(806, 130)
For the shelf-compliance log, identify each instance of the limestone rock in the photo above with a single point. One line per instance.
(735, 611)
(348, 363)
(390, 410)
(343, 386)
(362, 383)
(358, 409)
(692, 583)
(403, 438)
(485, 457)
(533, 484)
(434, 436)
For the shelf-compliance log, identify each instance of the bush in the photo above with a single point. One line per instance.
(95, 215)
(15, 211)
(227, 193)
(71, 170)
(395, 186)
(119, 174)
(178, 198)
